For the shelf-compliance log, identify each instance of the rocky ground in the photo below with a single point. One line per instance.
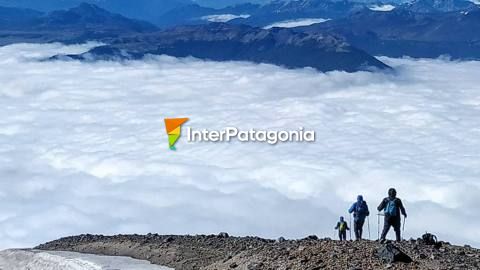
(221, 251)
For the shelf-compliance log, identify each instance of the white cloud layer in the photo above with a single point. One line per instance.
(296, 23)
(83, 147)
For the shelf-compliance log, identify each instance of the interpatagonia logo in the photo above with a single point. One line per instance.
(227, 134)
(174, 129)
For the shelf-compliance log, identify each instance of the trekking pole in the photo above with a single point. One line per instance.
(350, 217)
(378, 226)
(403, 227)
(368, 222)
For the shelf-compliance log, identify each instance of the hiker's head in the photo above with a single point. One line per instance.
(341, 218)
(392, 193)
(359, 198)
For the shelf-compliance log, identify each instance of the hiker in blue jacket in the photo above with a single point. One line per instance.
(360, 212)
(342, 228)
(392, 207)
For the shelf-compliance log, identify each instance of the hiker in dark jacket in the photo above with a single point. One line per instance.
(392, 207)
(342, 228)
(360, 212)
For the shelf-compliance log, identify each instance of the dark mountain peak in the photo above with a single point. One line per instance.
(89, 16)
(85, 12)
(226, 42)
(243, 7)
(90, 9)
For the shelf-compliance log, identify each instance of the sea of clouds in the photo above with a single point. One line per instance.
(83, 147)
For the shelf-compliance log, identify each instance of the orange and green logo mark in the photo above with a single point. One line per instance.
(173, 126)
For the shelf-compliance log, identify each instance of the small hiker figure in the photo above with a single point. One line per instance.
(392, 207)
(342, 228)
(360, 212)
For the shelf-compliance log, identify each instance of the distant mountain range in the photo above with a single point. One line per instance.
(148, 10)
(166, 13)
(402, 32)
(131, 39)
(226, 42)
(76, 25)
(422, 28)
(278, 10)
(227, 3)
(433, 6)
(195, 14)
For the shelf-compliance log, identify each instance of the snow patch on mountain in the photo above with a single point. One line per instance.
(59, 260)
(224, 17)
(296, 23)
(384, 8)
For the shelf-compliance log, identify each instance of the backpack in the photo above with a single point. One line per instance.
(429, 239)
(391, 208)
(361, 208)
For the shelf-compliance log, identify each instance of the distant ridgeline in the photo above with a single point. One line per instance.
(354, 32)
(174, 12)
(132, 39)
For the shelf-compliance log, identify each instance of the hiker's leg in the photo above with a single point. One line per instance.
(397, 226)
(386, 228)
(355, 229)
(360, 228)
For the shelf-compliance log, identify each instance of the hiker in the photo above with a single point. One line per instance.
(342, 228)
(392, 207)
(360, 212)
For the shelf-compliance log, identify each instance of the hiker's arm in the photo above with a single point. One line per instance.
(338, 225)
(352, 208)
(368, 211)
(402, 209)
(382, 205)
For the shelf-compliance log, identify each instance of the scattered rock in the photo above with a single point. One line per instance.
(221, 252)
(389, 253)
(312, 237)
(223, 235)
(168, 239)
